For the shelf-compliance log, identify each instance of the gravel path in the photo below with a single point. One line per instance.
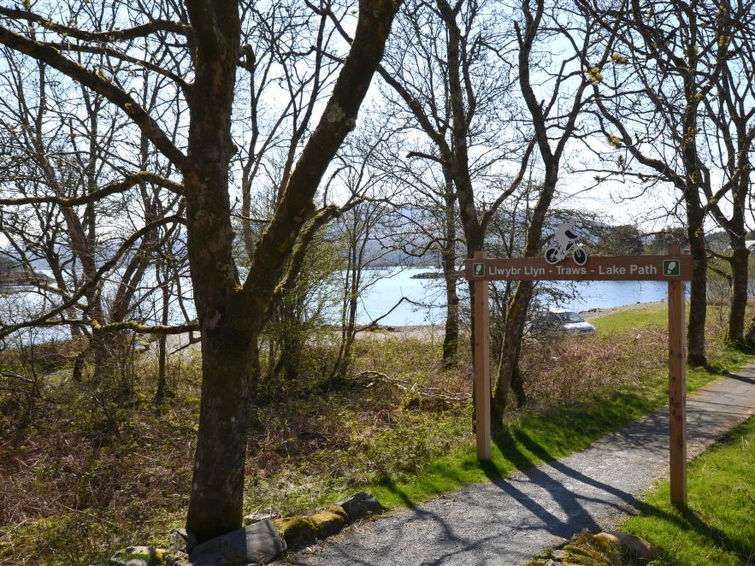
(508, 521)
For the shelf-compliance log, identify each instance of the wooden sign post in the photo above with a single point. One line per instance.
(677, 390)
(674, 268)
(482, 363)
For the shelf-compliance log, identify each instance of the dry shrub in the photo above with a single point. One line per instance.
(564, 368)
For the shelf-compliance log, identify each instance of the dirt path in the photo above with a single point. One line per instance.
(508, 521)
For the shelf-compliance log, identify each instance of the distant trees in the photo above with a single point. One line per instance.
(621, 240)
(659, 242)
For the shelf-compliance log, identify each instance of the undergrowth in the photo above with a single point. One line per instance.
(83, 477)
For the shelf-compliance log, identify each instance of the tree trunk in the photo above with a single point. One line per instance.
(217, 489)
(698, 291)
(218, 482)
(162, 354)
(508, 369)
(451, 336)
(740, 274)
(232, 317)
(509, 375)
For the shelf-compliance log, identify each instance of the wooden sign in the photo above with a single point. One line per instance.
(597, 268)
(673, 267)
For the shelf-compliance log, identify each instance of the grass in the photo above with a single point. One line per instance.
(83, 479)
(559, 429)
(633, 320)
(534, 437)
(718, 525)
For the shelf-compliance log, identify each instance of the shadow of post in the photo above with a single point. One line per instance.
(684, 518)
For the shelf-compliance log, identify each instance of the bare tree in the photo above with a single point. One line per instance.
(201, 43)
(555, 122)
(65, 171)
(678, 108)
(444, 68)
(424, 202)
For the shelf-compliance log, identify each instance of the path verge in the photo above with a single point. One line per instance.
(509, 520)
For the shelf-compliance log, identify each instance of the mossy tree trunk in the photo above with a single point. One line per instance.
(232, 316)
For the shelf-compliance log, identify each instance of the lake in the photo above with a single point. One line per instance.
(389, 287)
(427, 306)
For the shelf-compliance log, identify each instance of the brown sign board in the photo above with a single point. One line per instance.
(597, 268)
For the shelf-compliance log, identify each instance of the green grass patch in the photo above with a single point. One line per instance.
(718, 525)
(632, 320)
(534, 437)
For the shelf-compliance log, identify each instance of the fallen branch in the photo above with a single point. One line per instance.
(424, 391)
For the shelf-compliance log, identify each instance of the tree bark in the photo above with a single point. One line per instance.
(162, 353)
(215, 506)
(516, 316)
(740, 263)
(217, 487)
(451, 335)
(698, 303)
(232, 317)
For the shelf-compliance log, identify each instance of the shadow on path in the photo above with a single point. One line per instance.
(556, 498)
(579, 519)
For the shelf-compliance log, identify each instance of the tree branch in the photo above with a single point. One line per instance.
(107, 266)
(135, 32)
(48, 54)
(113, 188)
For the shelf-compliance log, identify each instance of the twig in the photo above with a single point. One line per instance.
(422, 390)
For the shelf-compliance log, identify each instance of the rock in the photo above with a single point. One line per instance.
(329, 522)
(590, 549)
(181, 541)
(257, 517)
(639, 548)
(298, 532)
(257, 543)
(608, 537)
(361, 505)
(138, 556)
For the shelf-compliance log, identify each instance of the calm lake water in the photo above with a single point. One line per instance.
(426, 305)
(390, 287)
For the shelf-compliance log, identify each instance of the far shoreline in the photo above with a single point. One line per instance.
(432, 330)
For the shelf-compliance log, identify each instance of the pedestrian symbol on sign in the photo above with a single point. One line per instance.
(478, 269)
(671, 267)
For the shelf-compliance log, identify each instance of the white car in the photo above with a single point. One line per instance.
(562, 321)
